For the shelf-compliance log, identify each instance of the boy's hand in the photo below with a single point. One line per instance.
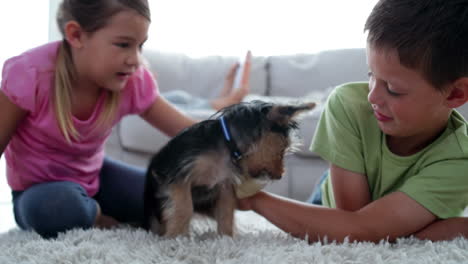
(244, 204)
(249, 187)
(248, 203)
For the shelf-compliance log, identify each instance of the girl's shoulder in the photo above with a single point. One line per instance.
(141, 82)
(41, 58)
(140, 91)
(26, 78)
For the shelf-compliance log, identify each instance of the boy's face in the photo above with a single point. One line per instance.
(406, 106)
(112, 54)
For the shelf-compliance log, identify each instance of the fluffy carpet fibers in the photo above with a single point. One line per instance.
(257, 242)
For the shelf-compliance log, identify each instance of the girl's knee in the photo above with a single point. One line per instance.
(57, 208)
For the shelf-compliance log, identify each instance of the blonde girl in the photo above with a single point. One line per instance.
(58, 103)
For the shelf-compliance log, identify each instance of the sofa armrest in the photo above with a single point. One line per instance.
(135, 134)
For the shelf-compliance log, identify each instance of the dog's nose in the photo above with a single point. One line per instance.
(278, 170)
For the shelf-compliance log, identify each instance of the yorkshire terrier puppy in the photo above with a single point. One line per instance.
(198, 170)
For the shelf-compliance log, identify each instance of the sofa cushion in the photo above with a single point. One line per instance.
(463, 110)
(202, 76)
(297, 75)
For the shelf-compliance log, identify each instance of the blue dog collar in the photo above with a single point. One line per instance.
(235, 153)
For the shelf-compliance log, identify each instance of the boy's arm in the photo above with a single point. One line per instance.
(446, 229)
(351, 192)
(395, 215)
(350, 189)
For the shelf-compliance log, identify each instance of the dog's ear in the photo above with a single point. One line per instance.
(283, 114)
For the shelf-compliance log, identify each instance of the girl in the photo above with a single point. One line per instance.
(59, 103)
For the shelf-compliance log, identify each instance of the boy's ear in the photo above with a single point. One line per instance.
(459, 93)
(74, 34)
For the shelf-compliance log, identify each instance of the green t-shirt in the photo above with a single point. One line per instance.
(349, 137)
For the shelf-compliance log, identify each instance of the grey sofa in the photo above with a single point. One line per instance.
(280, 78)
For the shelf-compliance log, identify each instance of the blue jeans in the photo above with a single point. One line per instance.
(316, 196)
(53, 207)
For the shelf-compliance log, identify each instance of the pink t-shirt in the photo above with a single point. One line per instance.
(38, 151)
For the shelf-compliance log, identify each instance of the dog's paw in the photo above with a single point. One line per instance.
(250, 187)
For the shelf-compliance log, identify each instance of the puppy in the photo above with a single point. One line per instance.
(198, 170)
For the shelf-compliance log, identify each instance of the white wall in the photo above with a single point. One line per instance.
(267, 27)
(54, 33)
(23, 25)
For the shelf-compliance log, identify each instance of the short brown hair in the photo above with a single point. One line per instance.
(430, 36)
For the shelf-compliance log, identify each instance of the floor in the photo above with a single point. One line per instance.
(7, 220)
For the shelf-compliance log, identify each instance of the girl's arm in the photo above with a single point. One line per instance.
(395, 215)
(167, 118)
(10, 117)
(350, 189)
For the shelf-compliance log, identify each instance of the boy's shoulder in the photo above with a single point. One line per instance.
(351, 100)
(352, 87)
(351, 93)
(459, 128)
(451, 146)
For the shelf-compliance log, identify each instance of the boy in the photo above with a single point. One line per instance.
(398, 152)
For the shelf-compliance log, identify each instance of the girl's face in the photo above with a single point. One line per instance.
(406, 106)
(110, 55)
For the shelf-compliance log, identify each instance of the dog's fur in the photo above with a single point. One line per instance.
(197, 172)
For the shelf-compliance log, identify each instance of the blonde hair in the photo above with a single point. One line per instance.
(91, 15)
(64, 76)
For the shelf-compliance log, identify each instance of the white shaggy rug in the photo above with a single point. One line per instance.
(257, 242)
